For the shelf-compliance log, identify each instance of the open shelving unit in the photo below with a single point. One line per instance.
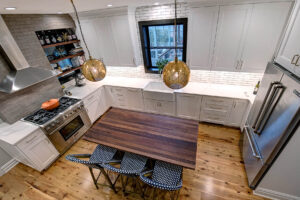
(66, 57)
(60, 44)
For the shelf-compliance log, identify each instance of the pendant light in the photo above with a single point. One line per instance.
(176, 74)
(93, 69)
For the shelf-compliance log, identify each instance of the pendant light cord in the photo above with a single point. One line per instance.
(175, 29)
(77, 17)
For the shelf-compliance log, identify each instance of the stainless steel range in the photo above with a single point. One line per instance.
(65, 124)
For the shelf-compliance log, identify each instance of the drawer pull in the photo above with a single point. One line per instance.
(31, 140)
(295, 56)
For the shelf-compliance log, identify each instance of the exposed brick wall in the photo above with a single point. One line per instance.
(23, 27)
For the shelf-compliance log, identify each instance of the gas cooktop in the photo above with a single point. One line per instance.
(42, 116)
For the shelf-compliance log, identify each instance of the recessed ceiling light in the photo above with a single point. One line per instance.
(156, 4)
(109, 5)
(10, 8)
(59, 12)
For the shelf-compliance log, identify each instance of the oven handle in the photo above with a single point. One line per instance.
(254, 153)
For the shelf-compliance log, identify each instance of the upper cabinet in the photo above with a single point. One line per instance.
(263, 35)
(236, 37)
(232, 25)
(289, 52)
(201, 38)
(109, 38)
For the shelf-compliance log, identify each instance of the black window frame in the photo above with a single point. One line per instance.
(144, 36)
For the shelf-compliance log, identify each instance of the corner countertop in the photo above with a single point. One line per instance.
(205, 89)
(13, 133)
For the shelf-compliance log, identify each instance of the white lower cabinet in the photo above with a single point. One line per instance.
(91, 104)
(225, 111)
(35, 150)
(135, 99)
(118, 96)
(160, 107)
(188, 106)
(237, 113)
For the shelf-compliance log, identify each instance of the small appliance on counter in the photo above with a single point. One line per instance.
(79, 79)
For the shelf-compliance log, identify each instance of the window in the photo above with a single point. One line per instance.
(157, 38)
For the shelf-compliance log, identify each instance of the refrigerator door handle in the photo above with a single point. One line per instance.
(254, 152)
(279, 89)
(259, 115)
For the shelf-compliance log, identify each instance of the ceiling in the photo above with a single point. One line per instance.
(54, 6)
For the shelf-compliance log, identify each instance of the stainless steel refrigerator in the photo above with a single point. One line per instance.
(273, 119)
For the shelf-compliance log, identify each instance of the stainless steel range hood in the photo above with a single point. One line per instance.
(20, 75)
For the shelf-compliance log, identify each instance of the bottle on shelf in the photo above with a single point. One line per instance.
(69, 35)
(74, 37)
(59, 38)
(256, 88)
(41, 38)
(53, 39)
(47, 38)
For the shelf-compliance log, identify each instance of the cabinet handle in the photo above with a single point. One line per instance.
(292, 62)
(296, 63)
(241, 64)
(237, 64)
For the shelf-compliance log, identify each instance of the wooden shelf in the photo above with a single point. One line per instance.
(66, 57)
(68, 71)
(60, 44)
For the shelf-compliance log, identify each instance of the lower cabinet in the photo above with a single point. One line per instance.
(135, 99)
(188, 106)
(92, 106)
(35, 151)
(160, 107)
(225, 111)
(237, 113)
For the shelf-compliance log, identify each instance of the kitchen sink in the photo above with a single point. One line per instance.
(158, 91)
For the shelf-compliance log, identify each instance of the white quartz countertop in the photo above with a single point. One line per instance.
(206, 89)
(13, 133)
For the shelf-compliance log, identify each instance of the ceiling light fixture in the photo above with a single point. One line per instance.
(10, 8)
(59, 12)
(176, 74)
(156, 4)
(93, 69)
(109, 5)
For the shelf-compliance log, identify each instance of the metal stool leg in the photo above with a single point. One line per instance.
(108, 179)
(93, 177)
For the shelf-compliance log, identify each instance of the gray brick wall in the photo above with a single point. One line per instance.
(22, 27)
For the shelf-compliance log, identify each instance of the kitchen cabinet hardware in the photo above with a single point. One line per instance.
(296, 63)
(295, 56)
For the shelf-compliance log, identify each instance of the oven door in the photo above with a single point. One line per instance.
(70, 132)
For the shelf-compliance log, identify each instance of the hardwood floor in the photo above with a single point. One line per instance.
(219, 174)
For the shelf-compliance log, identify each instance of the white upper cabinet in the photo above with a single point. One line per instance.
(265, 28)
(201, 38)
(232, 24)
(289, 52)
(121, 35)
(109, 38)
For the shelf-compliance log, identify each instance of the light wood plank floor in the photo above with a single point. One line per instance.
(219, 174)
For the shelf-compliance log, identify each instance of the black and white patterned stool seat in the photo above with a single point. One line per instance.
(131, 164)
(165, 176)
(102, 154)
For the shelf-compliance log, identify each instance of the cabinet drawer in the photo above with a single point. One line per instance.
(214, 116)
(216, 103)
(89, 99)
(32, 138)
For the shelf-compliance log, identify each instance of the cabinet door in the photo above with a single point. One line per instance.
(188, 106)
(135, 99)
(237, 113)
(201, 40)
(42, 153)
(232, 24)
(290, 47)
(263, 35)
(103, 103)
(92, 109)
(122, 39)
(150, 105)
(166, 107)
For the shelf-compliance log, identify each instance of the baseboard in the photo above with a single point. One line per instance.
(8, 166)
(274, 194)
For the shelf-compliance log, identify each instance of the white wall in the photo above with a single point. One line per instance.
(282, 181)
